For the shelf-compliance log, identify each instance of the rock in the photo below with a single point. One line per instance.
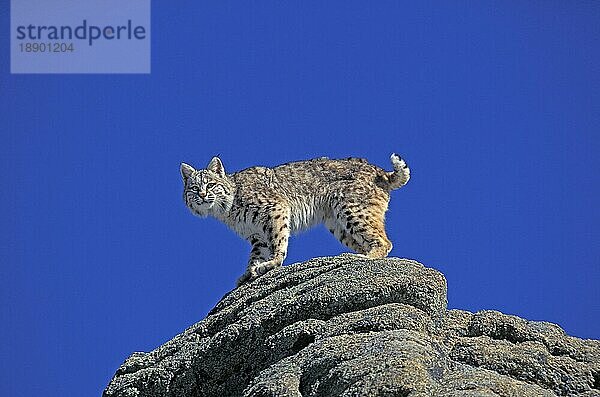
(351, 326)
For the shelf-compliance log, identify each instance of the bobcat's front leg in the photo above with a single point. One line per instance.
(269, 251)
(260, 253)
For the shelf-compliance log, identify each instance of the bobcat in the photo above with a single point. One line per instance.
(264, 205)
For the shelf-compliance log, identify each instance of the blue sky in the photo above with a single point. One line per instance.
(495, 106)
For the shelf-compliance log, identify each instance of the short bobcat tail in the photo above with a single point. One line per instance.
(401, 174)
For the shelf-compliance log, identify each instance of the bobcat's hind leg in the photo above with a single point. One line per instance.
(364, 224)
(343, 236)
(372, 238)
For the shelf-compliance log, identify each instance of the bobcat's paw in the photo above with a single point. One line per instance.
(264, 267)
(255, 271)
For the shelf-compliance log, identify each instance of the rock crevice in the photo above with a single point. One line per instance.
(351, 326)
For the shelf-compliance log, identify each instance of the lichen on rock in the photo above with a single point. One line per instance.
(352, 326)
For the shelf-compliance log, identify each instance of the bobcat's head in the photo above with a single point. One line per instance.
(208, 191)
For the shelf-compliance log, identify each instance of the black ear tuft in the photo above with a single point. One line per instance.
(216, 166)
(186, 170)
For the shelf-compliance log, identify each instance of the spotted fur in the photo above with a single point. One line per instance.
(265, 205)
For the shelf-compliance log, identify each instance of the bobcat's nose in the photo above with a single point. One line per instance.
(202, 194)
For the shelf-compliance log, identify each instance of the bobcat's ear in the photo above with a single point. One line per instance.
(186, 171)
(216, 166)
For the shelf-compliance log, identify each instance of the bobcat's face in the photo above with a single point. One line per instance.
(208, 191)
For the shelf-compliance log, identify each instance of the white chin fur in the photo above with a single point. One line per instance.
(202, 210)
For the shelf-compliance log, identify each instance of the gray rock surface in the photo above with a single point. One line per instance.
(350, 326)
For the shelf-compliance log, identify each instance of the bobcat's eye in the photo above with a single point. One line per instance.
(195, 189)
(210, 185)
